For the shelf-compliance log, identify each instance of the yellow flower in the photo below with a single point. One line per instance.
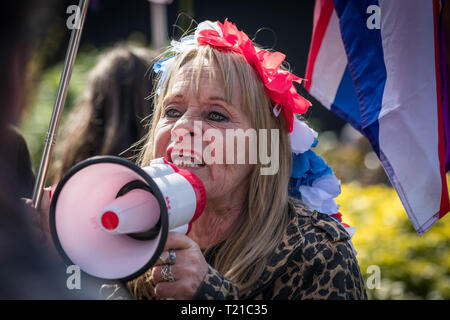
(412, 266)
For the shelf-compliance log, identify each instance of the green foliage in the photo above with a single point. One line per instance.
(37, 118)
(412, 266)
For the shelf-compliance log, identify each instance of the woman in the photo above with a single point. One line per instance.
(252, 241)
(108, 118)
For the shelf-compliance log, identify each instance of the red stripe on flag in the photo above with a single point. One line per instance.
(325, 9)
(445, 205)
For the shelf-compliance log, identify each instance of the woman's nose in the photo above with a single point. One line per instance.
(187, 126)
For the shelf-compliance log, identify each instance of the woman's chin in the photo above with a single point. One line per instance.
(198, 170)
(204, 174)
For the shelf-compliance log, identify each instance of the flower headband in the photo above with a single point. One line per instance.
(278, 83)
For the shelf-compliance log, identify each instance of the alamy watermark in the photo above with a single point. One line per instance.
(374, 280)
(74, 20)
(374, 20)
(74, 280)
(234, 146)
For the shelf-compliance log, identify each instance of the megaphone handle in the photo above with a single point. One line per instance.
(59, 105)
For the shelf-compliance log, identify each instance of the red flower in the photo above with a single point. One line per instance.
(278, 83)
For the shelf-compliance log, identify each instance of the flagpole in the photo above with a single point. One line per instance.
(59, 104)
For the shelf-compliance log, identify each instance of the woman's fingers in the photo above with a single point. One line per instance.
(180, 290)
(157, 273)
(177, 242)
(184, 275)
(40, 220)
(183, 286)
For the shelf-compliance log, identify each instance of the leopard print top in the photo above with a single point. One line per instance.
(314, 261)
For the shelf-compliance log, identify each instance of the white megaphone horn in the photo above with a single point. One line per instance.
(111, 217)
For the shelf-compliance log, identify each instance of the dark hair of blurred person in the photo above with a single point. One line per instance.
(21, 27)
(108, 118)
(16, 157)
(27, 271)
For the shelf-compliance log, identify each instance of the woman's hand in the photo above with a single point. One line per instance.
(189, 269)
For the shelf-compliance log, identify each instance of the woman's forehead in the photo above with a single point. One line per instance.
(198, 76)
(203, 80)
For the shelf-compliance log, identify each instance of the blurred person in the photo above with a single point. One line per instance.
(27, 268)
(108, 120)
(16, 157)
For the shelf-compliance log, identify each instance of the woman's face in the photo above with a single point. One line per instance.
(191, 132)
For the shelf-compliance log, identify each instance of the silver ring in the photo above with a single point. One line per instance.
(166, 273)
(164, 257)
(168, 257)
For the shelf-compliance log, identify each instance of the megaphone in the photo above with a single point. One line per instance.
(111, 217)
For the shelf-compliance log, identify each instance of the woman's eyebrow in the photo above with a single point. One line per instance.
(219, 98)
(177, 96)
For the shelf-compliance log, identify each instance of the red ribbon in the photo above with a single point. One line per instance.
(339, 217)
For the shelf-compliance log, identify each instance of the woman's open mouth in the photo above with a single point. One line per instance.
(185, 158)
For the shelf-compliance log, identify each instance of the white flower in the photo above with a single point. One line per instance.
(302, 136)
(208, 25)
(328, 183)
(185, 43)
(320, 195)
(188, 42)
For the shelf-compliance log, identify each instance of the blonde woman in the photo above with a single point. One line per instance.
(253, 240)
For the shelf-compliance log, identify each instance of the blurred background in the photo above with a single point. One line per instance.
(411, 267)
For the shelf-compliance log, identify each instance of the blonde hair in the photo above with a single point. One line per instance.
(259, 229)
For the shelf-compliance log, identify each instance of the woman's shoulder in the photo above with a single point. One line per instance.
(313, 225)
(308, 233)
(314, 260)
(323, 258)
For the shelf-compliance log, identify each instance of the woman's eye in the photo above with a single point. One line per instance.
(172, 113)
(217, 116)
